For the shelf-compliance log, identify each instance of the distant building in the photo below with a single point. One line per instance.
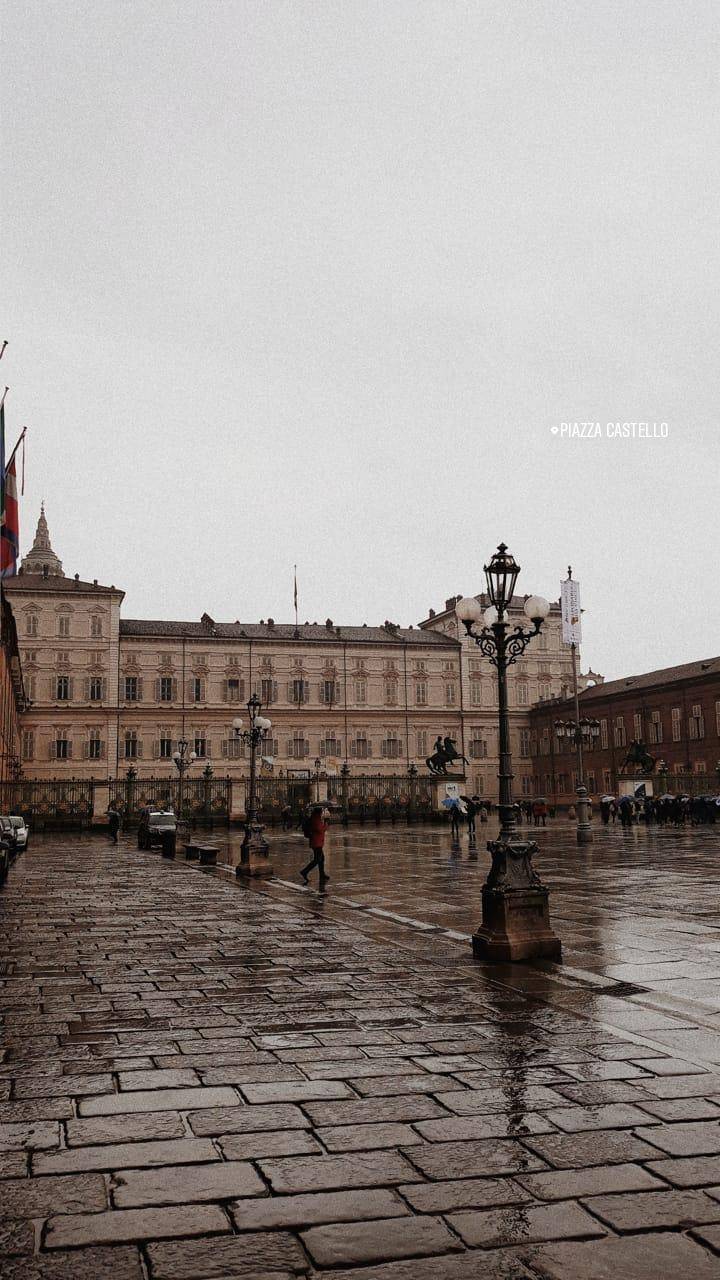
(12, 696)
(109, 693)
(673, 712)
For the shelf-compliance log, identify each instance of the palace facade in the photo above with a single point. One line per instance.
(108, 693)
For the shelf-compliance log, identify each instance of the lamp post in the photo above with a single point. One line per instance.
(183, 759)
(580, 734)
(254, 847)
(318, 765)
(515, 923)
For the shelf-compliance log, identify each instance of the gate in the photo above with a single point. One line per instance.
(275, 794)
(205, 801)
(50, 803)
(382, 797)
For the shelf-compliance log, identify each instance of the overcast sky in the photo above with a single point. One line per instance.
(313, 281)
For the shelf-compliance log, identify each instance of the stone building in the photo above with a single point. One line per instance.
(12, 695)
(673, 712)
(109, 693)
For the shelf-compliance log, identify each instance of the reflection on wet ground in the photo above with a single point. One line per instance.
(639, 908)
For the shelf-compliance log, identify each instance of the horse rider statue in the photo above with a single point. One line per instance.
(445, 752)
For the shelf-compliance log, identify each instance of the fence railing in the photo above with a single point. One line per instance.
(50, 802)
(199, 801)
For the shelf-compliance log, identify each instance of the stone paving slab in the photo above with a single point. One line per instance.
(235, 1085)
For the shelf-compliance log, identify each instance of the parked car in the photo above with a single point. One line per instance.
(8, 834)
(22, 832)
(155, 826)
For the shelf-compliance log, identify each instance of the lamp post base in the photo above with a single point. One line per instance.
(515, 908)
(254, 862)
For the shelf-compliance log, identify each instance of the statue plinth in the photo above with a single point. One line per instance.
(515, 908)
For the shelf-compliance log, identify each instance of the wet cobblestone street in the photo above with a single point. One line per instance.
(203, 1080)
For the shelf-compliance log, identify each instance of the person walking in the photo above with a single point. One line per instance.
(314, 828)
(113, 823)
(472, 807)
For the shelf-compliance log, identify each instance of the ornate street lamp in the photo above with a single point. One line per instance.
(183, 759)
(318, 767)
(254, 844)
(582, 734)
(516, 924)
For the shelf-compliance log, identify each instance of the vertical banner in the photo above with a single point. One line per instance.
(570, 608)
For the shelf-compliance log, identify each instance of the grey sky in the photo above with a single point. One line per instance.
(312, 281)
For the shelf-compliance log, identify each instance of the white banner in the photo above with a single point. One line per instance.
(570, 605)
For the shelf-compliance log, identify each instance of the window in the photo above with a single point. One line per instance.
(298, 747)
(133, 688)
(478, 746)
(62, 688)
(542, 641)
(700, 766)
(165, 689)
(233, 748)
(591, 782)
(234, 689)
(656, 729)
(64, 625)
(544, 744)
(390, 693)
(619, 732)
(637, 726)
(28, 745)
(476, 693)
(696, 722)
(390, 664)
(268, 691)
(360, 747)
(421, 747)
(63, 658)
(330, 745)
(63, 750)
(450, 694)
(676, 719)
(421, 692)
(197, 689)
(200, 746)
(165, 746)
(29, 683)
(96, 627)
(522, 693)
(130, 745)
(31, 626)
(95, 689)
(95, 745)
(420, 667)
(361, 691)
(607, 779)
(544, 688)
(299, 692)
(391, 747)
(526, 783)
(329, 692)
(525, 743)
(604, 734)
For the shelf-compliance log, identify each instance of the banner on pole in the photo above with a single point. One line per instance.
(570, 607)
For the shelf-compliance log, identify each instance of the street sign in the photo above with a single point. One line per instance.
(570, 608)
(452, 791)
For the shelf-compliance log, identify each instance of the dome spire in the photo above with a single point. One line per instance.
(41, 558)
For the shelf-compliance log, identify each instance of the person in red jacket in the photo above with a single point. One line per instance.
(314, 828)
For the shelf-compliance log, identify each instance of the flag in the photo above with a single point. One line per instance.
(10, 539)
(2, 463)
(295, 589)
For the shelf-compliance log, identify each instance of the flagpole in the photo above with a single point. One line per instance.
(21, 437)
(295, 599)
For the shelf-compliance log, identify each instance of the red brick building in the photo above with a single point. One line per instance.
(674, 713)
(12, 698)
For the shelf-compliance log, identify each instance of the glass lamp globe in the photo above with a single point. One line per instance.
(262, 722)
(490, 616)
(237, 723)
(176, 756)
(468, 609)
(536, 608)
(193, 756)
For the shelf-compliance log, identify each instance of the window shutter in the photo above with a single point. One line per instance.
(69, 751)
(321, 691)
(224, 749)
(208, 749)
(70, 687)
(353, 748)
(289, 749)
(101, 751)
(226, 690)
(139, 689)
(139, 749)
(158, 689)
(86, 750)
(203, 689)
(174, 690)
(156, 749)
(369, 748)
(290, 691)
(306, 748)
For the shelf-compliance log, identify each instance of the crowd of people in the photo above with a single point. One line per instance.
(667, 810)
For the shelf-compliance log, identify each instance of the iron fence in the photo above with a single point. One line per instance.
(205, 802)
(50, 802)
(382, 796)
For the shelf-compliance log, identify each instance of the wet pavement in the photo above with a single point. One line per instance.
(199, 1079)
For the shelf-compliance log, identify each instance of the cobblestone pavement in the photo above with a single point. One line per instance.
(202, 1080)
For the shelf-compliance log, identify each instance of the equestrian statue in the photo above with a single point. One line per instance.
(638, 754)
(445, 752)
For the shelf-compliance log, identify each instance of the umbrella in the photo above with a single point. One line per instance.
(607, 799)
(452, 802)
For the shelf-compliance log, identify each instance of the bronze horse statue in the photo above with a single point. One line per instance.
(638, 754)
(445, 753)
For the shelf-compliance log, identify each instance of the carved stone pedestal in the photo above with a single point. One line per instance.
(516, 919)
(254, 869)
(254, 862)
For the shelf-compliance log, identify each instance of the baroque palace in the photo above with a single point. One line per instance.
(107, 693)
